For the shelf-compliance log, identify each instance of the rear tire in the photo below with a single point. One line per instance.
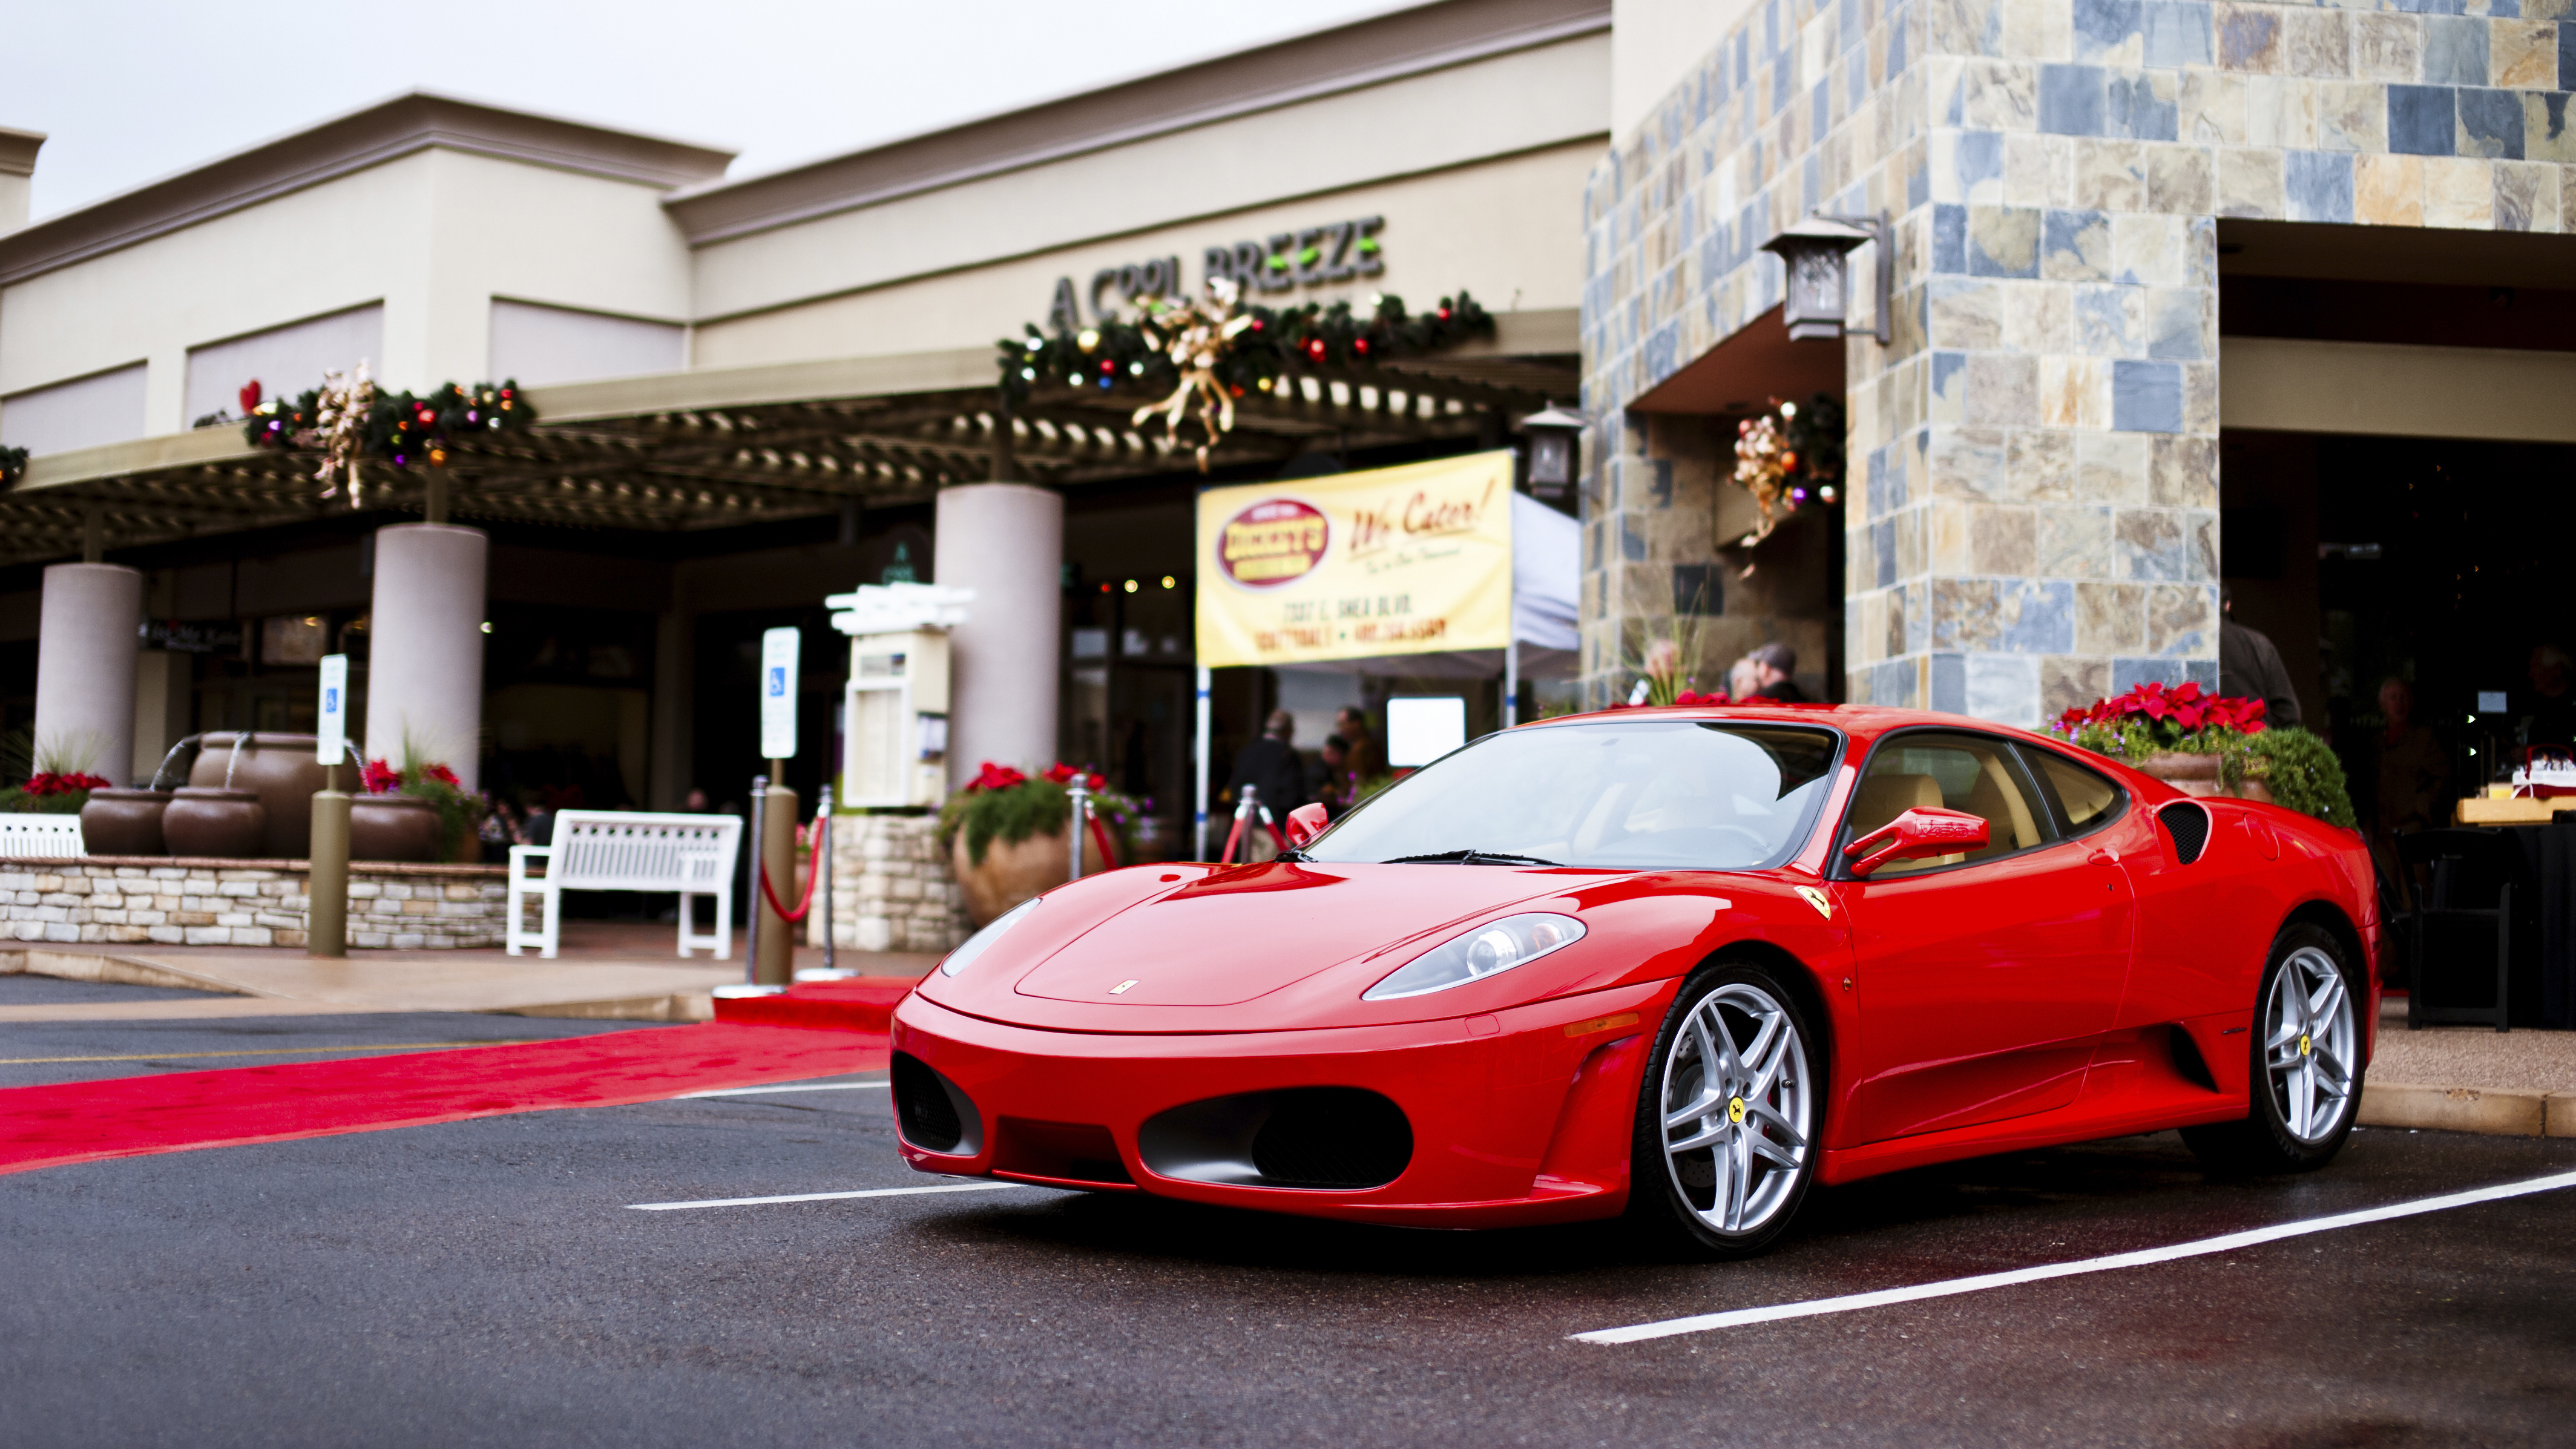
(2306, 1069)
(1729, 1116)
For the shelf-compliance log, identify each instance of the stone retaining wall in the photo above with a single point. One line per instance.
(168, 901)
(892, 889)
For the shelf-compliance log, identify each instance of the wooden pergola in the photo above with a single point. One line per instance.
(725, 447)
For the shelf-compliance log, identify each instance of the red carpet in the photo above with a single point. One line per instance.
(862, 1003)
(178, 1111)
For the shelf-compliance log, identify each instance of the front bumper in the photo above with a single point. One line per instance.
(1518, 1117)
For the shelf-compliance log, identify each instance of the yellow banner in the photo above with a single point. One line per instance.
(1407, 560)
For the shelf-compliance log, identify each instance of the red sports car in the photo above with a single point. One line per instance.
(1678, 963)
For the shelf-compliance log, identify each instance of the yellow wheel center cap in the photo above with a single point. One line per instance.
(2303, 1045)
(1735, 1110)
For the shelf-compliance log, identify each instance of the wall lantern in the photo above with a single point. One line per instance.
(1816, 252)
(1554, 435)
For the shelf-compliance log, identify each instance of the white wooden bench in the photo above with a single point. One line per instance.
(40, 836)
(617, 850)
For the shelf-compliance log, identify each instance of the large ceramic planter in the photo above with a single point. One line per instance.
(124, 822)
(281, 771)
(393, 827)
(1012, 872)
(2199, 775)
(223, 824)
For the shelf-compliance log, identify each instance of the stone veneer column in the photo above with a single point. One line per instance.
(1006, 542)
(85, 648)
(425, 646)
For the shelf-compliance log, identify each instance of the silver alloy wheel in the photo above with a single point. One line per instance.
(1737, 1119)
(2309, 1043)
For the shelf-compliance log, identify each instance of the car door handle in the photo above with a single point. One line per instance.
(2103, 857)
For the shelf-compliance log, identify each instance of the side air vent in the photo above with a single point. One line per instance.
(2187, 826)
(931, 1111)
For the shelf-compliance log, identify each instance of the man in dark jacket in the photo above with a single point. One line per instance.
(1270, 765)
(2250, 668)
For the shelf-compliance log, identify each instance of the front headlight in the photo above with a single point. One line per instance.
(982, 941)
(1493, 947)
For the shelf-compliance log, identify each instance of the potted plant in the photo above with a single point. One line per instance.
(389, 823)
(2204, 744)
(1005, 834)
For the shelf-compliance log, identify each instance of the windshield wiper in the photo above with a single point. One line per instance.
(1468, 857)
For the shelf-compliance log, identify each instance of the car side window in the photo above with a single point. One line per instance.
(2084, 799)
(1975, 773)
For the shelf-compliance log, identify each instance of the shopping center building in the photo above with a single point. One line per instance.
(2176, 292)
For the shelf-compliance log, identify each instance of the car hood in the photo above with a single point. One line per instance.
(1292, 946)
(1237, 934)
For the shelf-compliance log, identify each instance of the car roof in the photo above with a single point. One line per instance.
(1861, 721)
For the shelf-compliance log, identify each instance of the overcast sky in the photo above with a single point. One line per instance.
(129, 90)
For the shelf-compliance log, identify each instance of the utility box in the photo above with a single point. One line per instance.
(894, 733)
(895, 740)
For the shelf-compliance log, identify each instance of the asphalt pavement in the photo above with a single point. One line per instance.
(487, 1282)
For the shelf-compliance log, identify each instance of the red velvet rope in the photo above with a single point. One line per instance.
(822, 842)
(1100, 838)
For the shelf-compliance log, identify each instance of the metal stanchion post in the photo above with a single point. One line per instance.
(1075, 834)
(751, 882)
(823, 869)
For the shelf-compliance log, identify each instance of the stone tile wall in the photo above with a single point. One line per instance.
(892, 890)
(2032, 518)
(138, 900)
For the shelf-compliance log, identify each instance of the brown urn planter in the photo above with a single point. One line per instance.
(1014, 871)
(124, 822)
(393, 827)
(281, 771)
(224, 824)
(2199, 775)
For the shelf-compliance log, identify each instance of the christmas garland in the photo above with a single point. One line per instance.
(1787, 460)
(13, 466)
(347, 419)
(1218, 350)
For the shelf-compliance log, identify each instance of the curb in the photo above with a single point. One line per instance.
(110, 970)
(2494, 1112)
(678, 1006)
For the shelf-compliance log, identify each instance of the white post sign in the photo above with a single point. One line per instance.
(778, 693)
(331, 721)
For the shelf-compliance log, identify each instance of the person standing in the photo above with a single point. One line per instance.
(1270, 765)
(2552, 701)
(2414, 771)
(1364, 760)
(2250, 668)
(1774, 665)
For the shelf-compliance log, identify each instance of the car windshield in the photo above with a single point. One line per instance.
(1629, 794)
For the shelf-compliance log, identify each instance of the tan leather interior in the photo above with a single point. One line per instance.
(2009, 825)
(1881, 798)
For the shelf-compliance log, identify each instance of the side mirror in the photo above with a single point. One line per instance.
(1921, 831)
(1304, 824)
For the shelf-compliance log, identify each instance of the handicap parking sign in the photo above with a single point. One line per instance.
(778, 650)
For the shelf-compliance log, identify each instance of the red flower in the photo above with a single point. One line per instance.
(64, 782)
(250, 397)
(380, 778)
(996, 777)
(442, 775)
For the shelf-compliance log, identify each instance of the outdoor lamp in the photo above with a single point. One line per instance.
(1552, 433)
(1816, 253)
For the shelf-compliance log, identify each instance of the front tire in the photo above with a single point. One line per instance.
(1728, 1116)
(2306, 1069)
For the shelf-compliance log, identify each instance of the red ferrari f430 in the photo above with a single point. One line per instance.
(1680, 964)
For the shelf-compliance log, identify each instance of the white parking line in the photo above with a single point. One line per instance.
(1702, 1323)
(664, 1207)
(771, 1091)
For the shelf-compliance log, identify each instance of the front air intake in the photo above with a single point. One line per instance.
(2187, 826)
(924, 1108)
(1327, 1138)
(1332, 1137)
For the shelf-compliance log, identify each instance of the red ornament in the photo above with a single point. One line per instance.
(250, 396)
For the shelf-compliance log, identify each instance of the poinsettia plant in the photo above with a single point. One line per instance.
(2298, 769)
(1006, 804)
(460, 811)
(54, 792)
